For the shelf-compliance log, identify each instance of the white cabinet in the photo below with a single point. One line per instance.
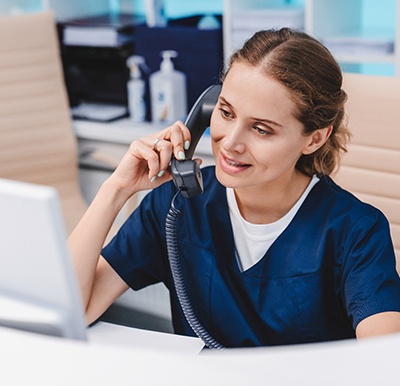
(362, 34)
(244, 17)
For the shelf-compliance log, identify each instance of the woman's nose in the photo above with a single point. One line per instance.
(234, 140)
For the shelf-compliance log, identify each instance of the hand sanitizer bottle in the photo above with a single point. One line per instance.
(168, 91)
(136, 88)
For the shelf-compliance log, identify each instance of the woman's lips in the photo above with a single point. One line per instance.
(230, 165)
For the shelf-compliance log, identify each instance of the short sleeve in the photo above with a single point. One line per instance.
(138, 251)
(370, 283)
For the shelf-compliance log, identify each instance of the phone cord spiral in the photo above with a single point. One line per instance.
(174, 261)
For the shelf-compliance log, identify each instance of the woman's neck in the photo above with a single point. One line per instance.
(271, 202)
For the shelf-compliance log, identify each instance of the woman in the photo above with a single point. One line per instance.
(273, 252)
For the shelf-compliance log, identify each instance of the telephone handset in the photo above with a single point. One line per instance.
(187, 178)
(186, 174)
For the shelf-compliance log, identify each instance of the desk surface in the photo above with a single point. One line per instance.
(32, 359)
(121, 336)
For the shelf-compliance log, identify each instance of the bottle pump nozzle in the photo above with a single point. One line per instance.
(136, 89)
(167, 64)
(134, 62)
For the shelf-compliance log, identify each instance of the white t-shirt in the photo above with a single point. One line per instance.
(253, 240)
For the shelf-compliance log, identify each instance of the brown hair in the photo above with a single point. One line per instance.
(303, 65)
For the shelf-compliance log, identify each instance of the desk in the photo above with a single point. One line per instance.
(40, 360)
(121, 336)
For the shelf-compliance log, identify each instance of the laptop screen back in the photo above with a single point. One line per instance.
(38, 288)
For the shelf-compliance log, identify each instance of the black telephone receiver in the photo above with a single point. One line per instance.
(187, 178)
(186, 174)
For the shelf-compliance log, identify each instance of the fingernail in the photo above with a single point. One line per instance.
(160, 173)
(186, 145)
(181, 155)
(152, 179)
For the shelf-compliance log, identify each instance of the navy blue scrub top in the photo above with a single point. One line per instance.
(333, 266)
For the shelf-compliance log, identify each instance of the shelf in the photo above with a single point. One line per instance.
(367, 30)
(366, 59)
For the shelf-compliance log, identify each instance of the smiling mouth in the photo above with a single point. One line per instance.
(232, 163)
(235, 164)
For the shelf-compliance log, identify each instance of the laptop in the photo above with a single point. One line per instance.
(38, 288)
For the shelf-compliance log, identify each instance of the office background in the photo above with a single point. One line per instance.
(366, 28)
(373, 362)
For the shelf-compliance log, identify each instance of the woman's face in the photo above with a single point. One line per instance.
(255, 137)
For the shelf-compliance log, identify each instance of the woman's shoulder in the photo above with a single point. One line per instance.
(342, 201)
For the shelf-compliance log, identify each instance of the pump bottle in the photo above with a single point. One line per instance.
(168, 91)
(136, 89)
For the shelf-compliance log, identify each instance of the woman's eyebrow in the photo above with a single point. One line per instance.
(224, 101)
(268, 121)
(261, 120)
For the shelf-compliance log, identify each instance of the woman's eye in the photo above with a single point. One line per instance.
(225, 113)
(261, 131)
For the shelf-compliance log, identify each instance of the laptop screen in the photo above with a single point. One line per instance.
(38, 288)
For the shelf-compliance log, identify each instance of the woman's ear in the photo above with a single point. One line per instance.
(317, 139)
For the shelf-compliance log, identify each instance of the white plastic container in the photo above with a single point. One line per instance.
(168, 91)
(136, 88)
(155, 13)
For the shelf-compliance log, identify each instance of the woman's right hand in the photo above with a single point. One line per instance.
(146, 164)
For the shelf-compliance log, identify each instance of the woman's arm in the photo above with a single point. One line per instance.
(144, 166)
(86, 243)
(379, 324)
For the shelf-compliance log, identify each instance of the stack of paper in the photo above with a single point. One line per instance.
(109, 30)
(102, 112)
(94, 37)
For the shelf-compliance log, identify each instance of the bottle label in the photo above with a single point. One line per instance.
(136, 102)
(162, 101)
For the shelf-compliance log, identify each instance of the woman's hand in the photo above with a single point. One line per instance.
(146, 164)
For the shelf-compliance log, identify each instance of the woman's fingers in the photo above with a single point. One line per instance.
(163, 149)
(156, 150)
(179, 135)
(143, 152)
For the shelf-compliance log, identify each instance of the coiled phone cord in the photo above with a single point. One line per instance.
(173, 256)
